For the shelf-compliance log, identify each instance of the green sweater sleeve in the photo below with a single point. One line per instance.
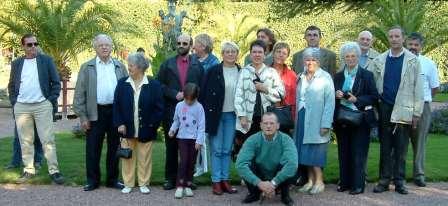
(289, 160)
(244, 161)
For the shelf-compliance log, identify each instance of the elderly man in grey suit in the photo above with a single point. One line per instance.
(94, 95)
(313, 35)
(365, 41)
(34, 88)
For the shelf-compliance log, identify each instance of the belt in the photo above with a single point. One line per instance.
(105, 105)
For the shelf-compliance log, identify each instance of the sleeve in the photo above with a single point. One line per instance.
(240, 108)
(295, 63)
(332, 63)
(12, 85)
(201, 126)
(116, 114)
(329, 104)
(434, 79)
(158, 109)
(418, 90)
(276, 89)
(164, 79)
(55, 82)
(371, 97)
(289, 161)
(176, 123)
(80, 96)
(244, 161)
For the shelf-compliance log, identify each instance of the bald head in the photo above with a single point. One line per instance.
(184, 44)
(365, 40)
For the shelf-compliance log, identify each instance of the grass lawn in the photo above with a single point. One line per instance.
(441, 97)
(71, 156)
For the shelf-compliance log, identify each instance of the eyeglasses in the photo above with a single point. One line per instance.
(182, 43)
(32, 44)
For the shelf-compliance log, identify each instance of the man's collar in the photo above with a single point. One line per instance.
(99, 61)
(273, 138)
(401, 53)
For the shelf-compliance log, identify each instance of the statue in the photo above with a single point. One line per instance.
(171, 25)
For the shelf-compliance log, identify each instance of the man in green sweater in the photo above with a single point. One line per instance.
(267, 160)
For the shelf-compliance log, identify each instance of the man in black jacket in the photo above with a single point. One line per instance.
(173, 74)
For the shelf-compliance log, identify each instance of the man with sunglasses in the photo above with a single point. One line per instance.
(35, 106)
(313, 36)
(174, 74)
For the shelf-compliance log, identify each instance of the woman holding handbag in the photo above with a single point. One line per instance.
(289, 78)
(356, 94)
(137, 112)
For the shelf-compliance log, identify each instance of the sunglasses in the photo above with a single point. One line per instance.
(182, 43)
(32, 44)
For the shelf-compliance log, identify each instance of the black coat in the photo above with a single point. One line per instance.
(169, 78)
(212, 97)
(364, 89)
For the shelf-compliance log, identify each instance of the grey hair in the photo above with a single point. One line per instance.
(101, 36)
(312, 52)
(205, 40)
(139, 60)
(229, 45)
(365, 32)
(349, 47)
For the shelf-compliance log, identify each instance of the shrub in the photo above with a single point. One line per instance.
(439, 123)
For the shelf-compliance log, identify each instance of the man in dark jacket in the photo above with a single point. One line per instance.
(173, 74)
(35, 105)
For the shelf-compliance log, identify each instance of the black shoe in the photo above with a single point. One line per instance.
(169, 185)
(116, 185)
(286, 199)
(342, 189)
(24, 178)
(301, 181)
(90, 187)
(401, 189)
(379, 188)
(193, 186)
(420, 182)
(356, 191)
(57, 178)
(250, 198)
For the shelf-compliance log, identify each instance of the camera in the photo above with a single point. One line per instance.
(346, 95)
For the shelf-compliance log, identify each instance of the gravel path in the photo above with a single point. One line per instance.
(10, 194)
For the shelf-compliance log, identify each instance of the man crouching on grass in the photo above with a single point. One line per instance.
(267, 160)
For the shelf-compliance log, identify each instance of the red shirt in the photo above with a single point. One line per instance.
(289, 79)
(182, 68)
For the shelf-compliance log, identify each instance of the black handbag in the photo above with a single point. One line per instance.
(125, 153)
(349, 116)
(283, 113)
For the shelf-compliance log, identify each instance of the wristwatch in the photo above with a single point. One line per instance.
(274, 183)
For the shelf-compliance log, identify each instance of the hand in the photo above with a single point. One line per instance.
(260, 87)
(122, 129)
(339, 94)
(171, 134)
(85, 125)
(180, 96)
(324, 131)
(244, 122)
(352, 98)
(197, 146)
(415, 120)
(267, 188)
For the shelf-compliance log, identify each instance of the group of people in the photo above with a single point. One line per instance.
(202, 102)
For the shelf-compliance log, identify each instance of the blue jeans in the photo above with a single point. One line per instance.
(221, 147)
(17, 150)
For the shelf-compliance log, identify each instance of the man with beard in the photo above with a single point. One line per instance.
(430, 85)
(174, 74)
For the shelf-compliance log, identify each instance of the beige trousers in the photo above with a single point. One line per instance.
(26, 114)
(141, 160)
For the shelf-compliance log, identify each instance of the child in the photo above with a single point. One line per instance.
(189, 119)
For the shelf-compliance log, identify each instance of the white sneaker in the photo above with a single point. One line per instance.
(188, 192)
(179, 193)
(145, 190)
(126, 190)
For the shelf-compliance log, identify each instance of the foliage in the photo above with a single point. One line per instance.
(71, 157)
(441, 97)
(439, 123)
(64, 28)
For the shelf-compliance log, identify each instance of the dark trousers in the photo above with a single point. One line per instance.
(254, 190)
(394, 140)
(240, 137)
(187, 160)
(171, 153)
(17, 149)
(94, 145)
(353, 147)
